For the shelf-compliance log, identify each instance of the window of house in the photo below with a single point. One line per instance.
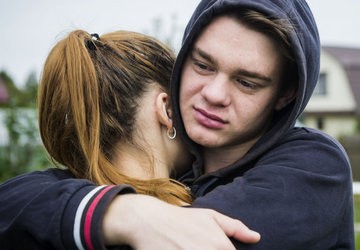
(321, 88)
(320, 123)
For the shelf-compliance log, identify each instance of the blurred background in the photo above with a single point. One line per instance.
(29, 29)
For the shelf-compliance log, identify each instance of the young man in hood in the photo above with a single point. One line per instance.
(244, 74)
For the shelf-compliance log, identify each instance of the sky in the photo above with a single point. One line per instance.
(29, 29)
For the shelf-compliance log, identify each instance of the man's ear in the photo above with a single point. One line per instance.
(164, 112)
(286, 96)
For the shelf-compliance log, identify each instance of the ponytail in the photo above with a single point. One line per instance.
(70, 119)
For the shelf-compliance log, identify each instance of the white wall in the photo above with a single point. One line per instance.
(336, 126)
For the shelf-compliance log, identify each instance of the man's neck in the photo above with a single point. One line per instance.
(217, 158)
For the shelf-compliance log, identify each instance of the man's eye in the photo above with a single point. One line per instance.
(247, 84)
(202, 66)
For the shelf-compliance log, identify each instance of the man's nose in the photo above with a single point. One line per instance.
(216, 91)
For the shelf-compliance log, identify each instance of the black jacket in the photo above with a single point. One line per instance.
(51, 210)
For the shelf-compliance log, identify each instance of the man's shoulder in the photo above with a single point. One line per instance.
(47, 175)
(308, 149)
(57, 173)
(309, 136)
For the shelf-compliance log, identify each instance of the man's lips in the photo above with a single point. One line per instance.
(208, 120)
(210, 116)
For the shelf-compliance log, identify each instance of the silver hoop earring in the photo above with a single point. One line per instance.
(171, 137)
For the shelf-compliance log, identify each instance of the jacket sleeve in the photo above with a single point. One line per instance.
(298, 196)
(45, 210)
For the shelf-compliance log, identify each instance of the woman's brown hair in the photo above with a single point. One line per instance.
(88, 99)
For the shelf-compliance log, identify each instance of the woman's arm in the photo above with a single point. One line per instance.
(144, 222)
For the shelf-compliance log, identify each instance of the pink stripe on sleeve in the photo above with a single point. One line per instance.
(89, 215)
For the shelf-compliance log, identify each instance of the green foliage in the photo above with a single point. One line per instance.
(29, 94)
(23, 151)
(13, 91)
(357, 129)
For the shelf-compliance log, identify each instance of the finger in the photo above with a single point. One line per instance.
(236, 229)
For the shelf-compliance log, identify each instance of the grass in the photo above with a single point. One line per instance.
(357, 219)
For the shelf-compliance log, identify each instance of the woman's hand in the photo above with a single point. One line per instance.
(144, 222)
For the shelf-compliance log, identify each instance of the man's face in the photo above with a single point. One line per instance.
(230, 85)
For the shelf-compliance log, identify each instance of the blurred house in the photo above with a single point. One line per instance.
(4, 95)
(335, 104)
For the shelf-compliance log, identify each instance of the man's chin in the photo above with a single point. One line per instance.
(208, 142)
(204, 137)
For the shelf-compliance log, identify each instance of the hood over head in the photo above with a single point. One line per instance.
(304, 43)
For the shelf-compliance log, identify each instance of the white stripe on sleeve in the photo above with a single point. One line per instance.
(78, 215)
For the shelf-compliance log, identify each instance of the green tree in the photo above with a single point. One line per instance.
(23, 151)
(13, 91)
(30, 92)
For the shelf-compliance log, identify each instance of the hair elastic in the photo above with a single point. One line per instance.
(92, 42)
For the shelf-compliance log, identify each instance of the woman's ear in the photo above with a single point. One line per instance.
(286, 97)
(164, 112)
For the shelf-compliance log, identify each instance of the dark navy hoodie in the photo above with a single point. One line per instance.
(294, 186)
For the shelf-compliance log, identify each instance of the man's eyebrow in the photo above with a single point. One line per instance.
(243, 72)
(205, 56)
(252, 74)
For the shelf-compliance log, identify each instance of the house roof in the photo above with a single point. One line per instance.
(4, 94)
(350, 59)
